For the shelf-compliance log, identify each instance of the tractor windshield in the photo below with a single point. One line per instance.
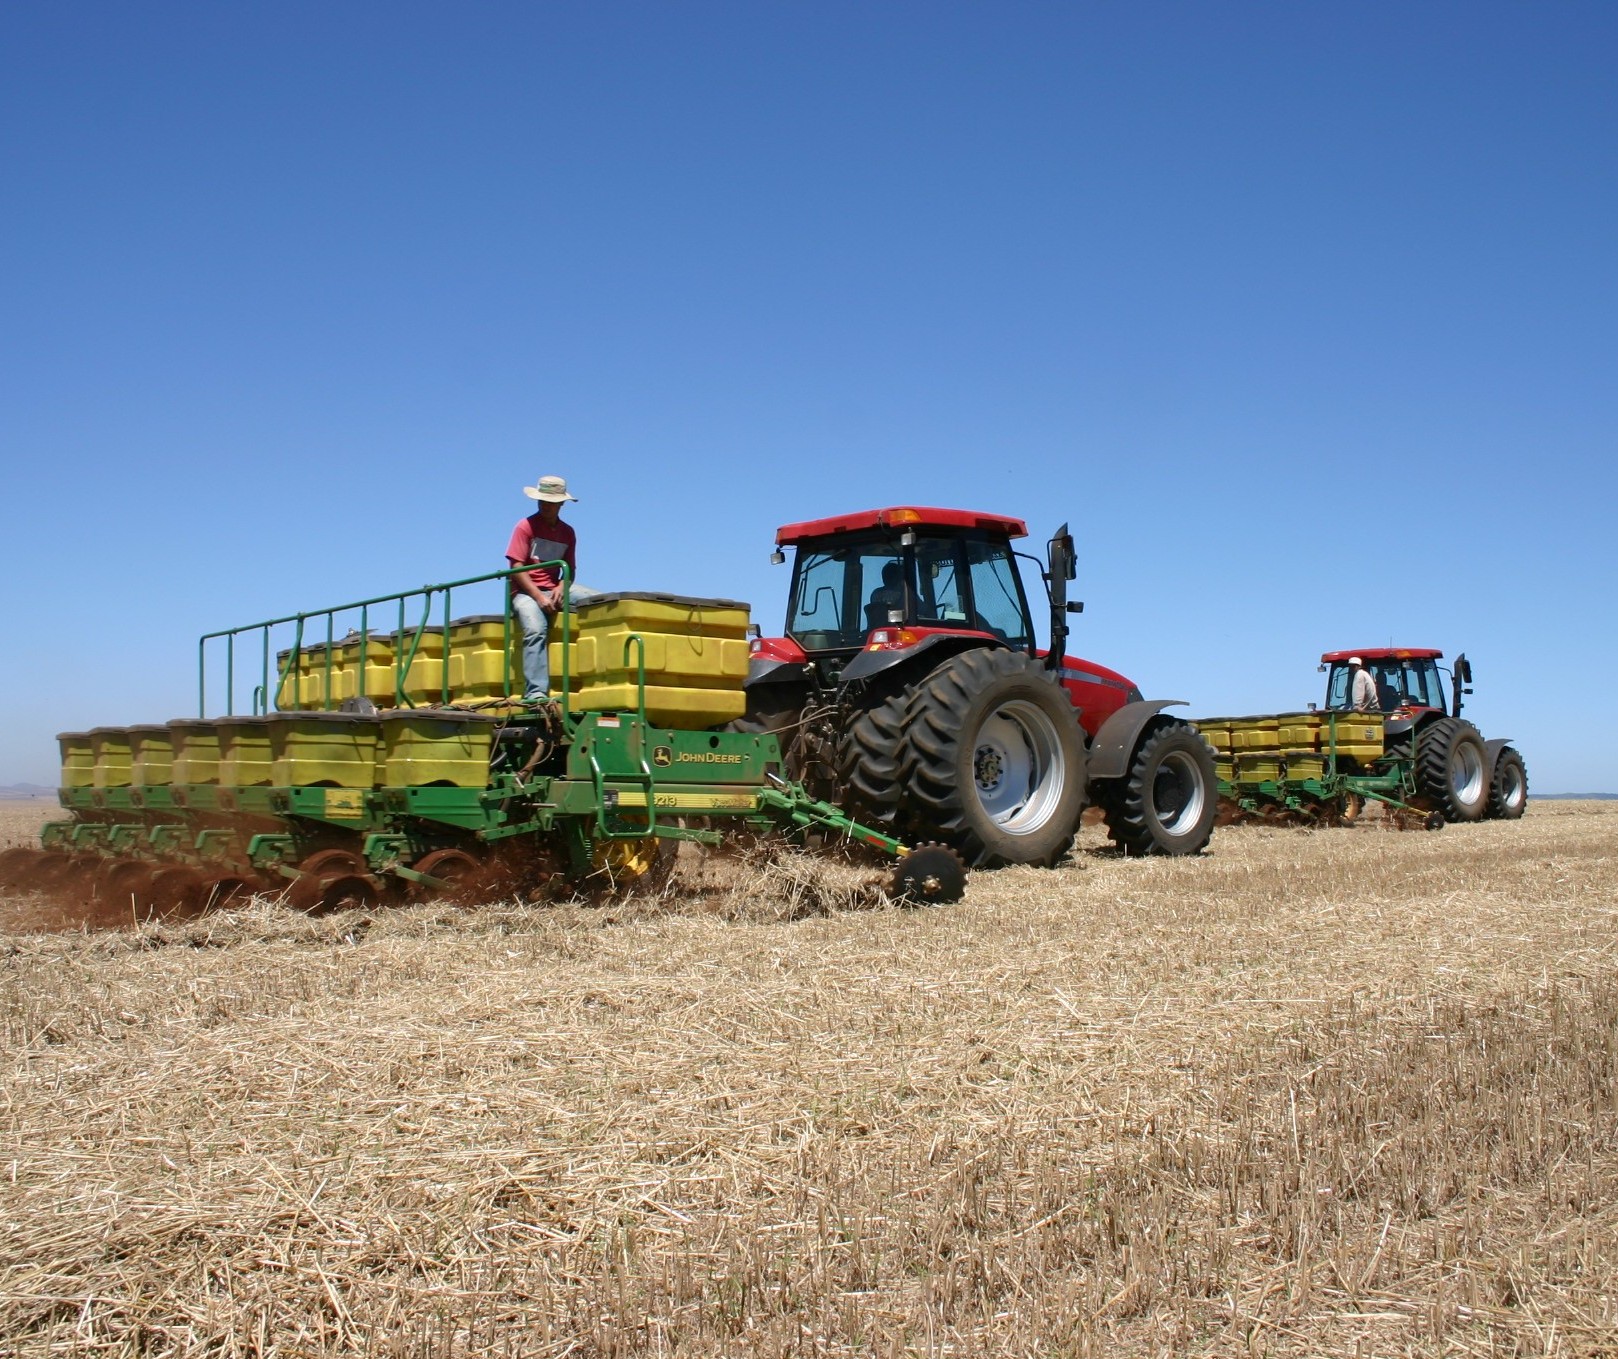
(971, 583)
(1407, 683)
(842, 591)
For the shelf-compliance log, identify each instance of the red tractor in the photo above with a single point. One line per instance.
(1464, 777)
(909, 687)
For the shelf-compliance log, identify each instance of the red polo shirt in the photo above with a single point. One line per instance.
(533, 540)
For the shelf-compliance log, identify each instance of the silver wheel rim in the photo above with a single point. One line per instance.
(1466, 774)
(1178, 795)
(1018, 767)
(1512, 791)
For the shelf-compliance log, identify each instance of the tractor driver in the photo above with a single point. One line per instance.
(536, 596)
(1361, 687)
(887, 596)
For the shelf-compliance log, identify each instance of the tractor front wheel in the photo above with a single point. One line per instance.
(1167, 801)
(1508, 789)
(1452, 770)
(996, 759)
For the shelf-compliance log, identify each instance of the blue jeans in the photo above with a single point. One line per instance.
(536, 653)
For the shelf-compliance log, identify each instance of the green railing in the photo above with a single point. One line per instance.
(404, 637)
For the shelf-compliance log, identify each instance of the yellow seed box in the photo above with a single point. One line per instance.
(196, 751)
(151, 756)
(110, 747)
(78, 759)
(319, 749)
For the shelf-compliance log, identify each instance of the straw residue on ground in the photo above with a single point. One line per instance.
(1348, 1092)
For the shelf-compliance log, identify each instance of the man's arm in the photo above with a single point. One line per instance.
(525, 583)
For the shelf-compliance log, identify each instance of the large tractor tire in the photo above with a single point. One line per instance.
(1167, 800)
(996, 760)
(772, 709)
(872, 760)
(1452, 769)
(1508, 789)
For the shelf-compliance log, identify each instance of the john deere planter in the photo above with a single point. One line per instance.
(399, 764)
(1413, 752)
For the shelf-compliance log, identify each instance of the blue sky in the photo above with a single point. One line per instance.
(1304, 317)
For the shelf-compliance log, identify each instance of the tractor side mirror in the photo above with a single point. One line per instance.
(1060, 553)
(777, 557)
(907, 538)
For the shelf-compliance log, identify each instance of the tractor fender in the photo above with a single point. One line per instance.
(1120, 734)
(1492, 749)
(870, 664)
(765, 670)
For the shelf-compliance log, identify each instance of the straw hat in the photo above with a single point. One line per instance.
(549, 488)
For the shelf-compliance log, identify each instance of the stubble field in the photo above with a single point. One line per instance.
(1343, 1092)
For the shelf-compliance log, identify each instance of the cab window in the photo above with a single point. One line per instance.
(940, 591)
(840, 595)
(997, 597)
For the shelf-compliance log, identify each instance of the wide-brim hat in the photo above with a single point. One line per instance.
(549, 488)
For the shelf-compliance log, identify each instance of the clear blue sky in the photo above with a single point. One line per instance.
(1304, 316)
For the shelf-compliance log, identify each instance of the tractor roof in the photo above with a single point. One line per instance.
(1385, 653)
(901, 516)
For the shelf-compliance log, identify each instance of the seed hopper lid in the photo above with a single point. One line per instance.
(72, 736)
(321, 715)
(654, 597)
(435, 715)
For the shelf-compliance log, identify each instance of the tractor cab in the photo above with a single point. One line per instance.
(890, 577)
(1409, 680)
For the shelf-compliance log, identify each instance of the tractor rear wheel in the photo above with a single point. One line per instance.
(1508, 789)
(1167, 800)
(772, 709)
(1452, 769)
(996, 759)
(871, 760)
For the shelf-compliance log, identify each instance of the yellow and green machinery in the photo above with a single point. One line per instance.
(1313, 766)
(393, 761)
(1412, 751)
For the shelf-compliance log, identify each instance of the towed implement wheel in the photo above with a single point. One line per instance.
(929, 875)
(54, 868)
(333, 880)
(622, 866)
(997, 759)
(226, 889)
(1508, 789)
(1451, 769)
(177, 891)
(126, 884)
(468, 880)
(1167, 800)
